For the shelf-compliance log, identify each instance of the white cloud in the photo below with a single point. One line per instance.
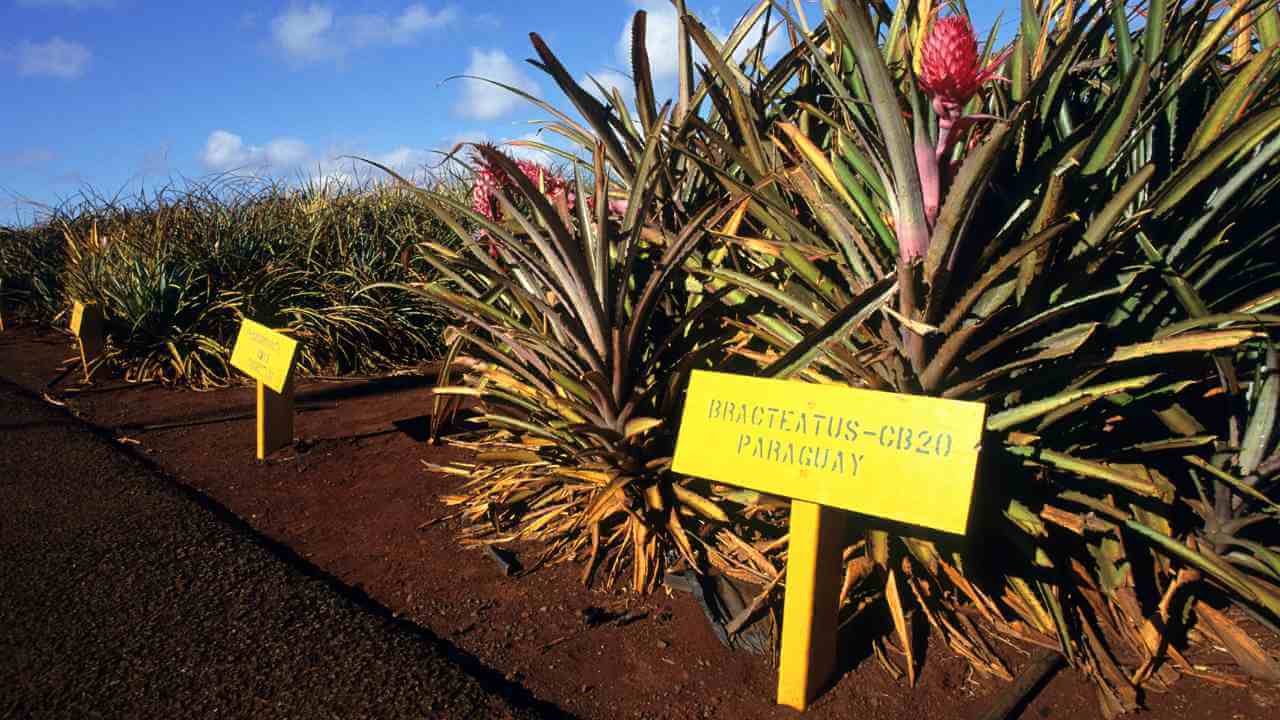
(338, 167)
(404, 159)
(54, 58)
(226, 152)
(300, 32)
(399, 30)
(313, 33)
(662, 43)
(285, 153)
(485, 101)
(661, 38)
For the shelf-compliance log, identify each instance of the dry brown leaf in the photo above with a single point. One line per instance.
(1243, 649)
(894, 599)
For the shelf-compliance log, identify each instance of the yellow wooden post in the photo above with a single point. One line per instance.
(811, 603)
(275, 418)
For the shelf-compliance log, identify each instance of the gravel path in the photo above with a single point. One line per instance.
(123, 596)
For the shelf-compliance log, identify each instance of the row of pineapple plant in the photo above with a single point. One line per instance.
(176, 271)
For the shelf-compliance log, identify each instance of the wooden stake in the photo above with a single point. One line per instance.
(811, 604)
(275, 419)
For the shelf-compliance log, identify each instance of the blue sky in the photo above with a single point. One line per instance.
(117, 94)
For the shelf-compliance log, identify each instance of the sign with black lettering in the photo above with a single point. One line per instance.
(264, 354)
(908, 458)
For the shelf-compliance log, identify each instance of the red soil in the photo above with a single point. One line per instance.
(355, 501)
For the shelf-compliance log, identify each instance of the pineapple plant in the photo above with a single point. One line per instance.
(1076, 230)
(575, 329)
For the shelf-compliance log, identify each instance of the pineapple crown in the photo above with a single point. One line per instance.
(950, 68)
(490, 179)
(951, 73)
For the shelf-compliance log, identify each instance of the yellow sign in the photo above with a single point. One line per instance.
(264, 354)
(907, 458)
(87, 325)
(78, 315)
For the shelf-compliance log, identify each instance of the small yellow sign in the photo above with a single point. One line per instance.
(907, 458)
(87, 325)
(264, 354)
(78, 310)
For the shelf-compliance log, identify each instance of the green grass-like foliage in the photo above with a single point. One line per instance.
(176, 272)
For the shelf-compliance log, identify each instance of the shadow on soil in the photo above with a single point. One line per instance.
(856, 635)
(417, 428)
(1020, 707)
(367, 388)
(308, 400)
(489, 678)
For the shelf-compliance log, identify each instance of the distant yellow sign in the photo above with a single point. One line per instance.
(264, 354)
(79, 311)
(87, 325)
(907, 458)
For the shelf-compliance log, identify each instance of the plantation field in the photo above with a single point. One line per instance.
(1075, 227)
(349, 501)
